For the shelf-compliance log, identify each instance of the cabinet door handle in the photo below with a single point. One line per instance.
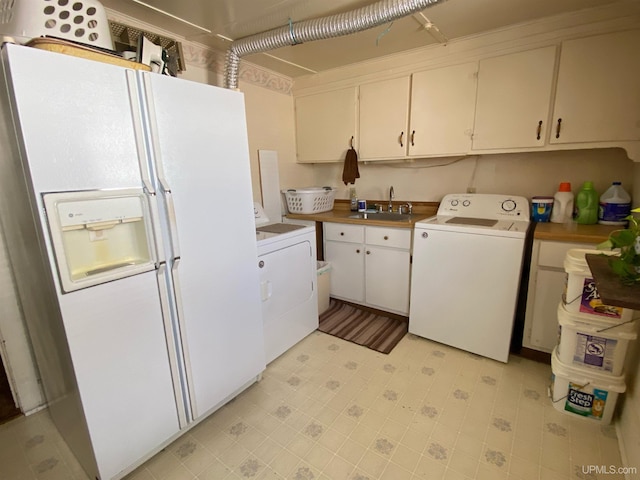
(342, 234)
(539, 130)
(558, 128)
(401, 137)
(413, 134)
(386, 237)
(368, 252)
(358, 250)
(425, 235)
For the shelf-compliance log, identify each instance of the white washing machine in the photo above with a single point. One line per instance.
(466, 270)
(288, 282)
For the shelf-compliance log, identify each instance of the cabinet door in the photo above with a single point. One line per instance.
(325, 125)
(384, 112)
(442, 110)
(387, 279)
(514, 93)
(598, 93)
(347, 270)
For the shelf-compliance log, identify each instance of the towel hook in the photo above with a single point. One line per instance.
(351, 142)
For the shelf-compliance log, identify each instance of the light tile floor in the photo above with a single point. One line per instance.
(331, 410)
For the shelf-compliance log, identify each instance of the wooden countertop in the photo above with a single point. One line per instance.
(341, 213)
(572, 232)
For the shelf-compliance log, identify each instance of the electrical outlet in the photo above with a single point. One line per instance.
(471, 189)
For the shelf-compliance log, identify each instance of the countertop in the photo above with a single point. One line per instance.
(341, 212)
(559, 232)
(572, 232)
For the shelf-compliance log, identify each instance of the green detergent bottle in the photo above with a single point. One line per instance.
(587, 205)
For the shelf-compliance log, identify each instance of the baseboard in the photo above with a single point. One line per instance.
(535, 355)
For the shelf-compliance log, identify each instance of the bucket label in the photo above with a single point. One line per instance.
(595, 351)
(586, 404)
(591, 303)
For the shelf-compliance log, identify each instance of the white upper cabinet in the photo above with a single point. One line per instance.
(514, 94)
(384, 113)
(325, 125)
(442, 110)
(598, 92)
(428, 116)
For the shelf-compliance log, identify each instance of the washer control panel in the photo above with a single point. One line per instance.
(485, 205)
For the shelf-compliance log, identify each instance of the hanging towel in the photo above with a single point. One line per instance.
(350, 172)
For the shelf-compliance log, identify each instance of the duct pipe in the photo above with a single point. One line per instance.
(338, 25)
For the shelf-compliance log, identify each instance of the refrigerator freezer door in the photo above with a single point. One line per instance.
(117, 344)
(102, 351)
(199, 138)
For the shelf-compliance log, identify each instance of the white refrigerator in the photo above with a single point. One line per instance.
(127, 208)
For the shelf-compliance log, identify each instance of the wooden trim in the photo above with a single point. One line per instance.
(535, 355)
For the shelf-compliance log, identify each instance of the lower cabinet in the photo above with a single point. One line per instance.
(546, 285)
(369, 265)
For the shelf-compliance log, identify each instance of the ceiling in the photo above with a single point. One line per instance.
(214, 22)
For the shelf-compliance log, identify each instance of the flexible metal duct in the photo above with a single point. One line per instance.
(332, 26)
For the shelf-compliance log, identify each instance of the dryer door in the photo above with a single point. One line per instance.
(289, 298)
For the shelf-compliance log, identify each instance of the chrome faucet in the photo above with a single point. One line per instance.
(391, 197)
(408, 206)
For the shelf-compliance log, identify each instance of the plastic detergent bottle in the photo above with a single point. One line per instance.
(615, 205)
(562, 204)
(587, 205)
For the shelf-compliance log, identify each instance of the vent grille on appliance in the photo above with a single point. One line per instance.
(83, 21)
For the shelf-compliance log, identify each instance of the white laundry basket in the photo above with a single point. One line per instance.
(310, 199)
(599, 345)
(581, 294)
(83, 21)
(584, 393)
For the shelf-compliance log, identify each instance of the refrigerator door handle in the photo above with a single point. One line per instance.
(181, 403)
(173, 225)
(153, 127)
(155, 225)
(183, 338)
(138, 131)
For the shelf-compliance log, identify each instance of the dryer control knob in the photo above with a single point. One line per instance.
(466, 203)
(454, 203)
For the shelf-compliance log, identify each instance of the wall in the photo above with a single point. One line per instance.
(525, 174)
(15, 345)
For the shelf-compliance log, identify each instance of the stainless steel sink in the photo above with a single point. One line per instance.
(383, 216)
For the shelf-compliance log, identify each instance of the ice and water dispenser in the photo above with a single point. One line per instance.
(99, 236)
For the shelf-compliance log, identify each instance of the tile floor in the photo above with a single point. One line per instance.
(331, 410)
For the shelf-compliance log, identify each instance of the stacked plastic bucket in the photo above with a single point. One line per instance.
(588, 361)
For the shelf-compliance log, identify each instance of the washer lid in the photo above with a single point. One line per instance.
(476, 226)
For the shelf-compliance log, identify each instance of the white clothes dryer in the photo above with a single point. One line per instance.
(288, 282)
